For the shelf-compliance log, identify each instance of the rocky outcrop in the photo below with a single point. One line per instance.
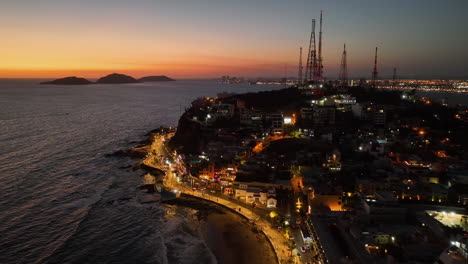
(135, 153)
(188, 136)
(116, 78)
(69, 81)
(160, 78)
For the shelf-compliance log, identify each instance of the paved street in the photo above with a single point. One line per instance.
(159, 157)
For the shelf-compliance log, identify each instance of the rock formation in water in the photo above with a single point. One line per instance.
(69, 81)
(116, 78)
(161, 78)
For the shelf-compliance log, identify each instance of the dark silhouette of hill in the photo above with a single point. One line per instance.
(116, 78)
(159, 78)
(69, 81)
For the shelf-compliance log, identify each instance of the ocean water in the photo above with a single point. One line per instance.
(62, 200)
(452, 99)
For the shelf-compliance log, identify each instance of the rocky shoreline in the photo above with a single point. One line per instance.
(139, 152)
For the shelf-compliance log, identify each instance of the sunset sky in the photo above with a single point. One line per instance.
(210, 38)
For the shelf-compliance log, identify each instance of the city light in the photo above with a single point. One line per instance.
(273, 214)
(307, 165)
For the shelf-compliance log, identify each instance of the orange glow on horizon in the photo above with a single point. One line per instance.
(94, 55)
(190, 69)
(194, 70)
(91, 54)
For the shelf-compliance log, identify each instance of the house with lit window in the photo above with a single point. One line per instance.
(250, 195)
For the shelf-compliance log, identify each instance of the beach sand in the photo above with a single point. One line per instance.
(231, 237)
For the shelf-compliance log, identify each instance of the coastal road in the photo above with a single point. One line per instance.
(159, 157)
(276, 238)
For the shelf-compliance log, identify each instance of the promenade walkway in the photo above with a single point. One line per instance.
(276, 238)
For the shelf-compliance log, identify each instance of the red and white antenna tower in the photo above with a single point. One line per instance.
(374, 71)
(320, 58)
(299, 75)
(310, 72)
(343, 76)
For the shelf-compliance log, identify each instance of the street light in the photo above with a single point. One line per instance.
(273, 214)
(298, 204)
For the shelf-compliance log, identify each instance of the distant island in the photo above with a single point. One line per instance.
(160, 78)
(114, 78)
(69, 81)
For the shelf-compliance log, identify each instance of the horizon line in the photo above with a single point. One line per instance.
(247, 78)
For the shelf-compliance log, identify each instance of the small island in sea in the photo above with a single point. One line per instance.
(160, 78)
(115, 78)
(69, 81)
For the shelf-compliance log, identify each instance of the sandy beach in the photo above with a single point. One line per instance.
(231, 238)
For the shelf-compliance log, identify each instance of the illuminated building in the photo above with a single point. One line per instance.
(379, 117)
(257, 195)
(325, 196)
(251, 118)
(333, 163)
(323, 115)
(276, 122)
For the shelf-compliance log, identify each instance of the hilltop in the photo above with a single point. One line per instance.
(69, 81)
(160, 78)
(115, 78)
